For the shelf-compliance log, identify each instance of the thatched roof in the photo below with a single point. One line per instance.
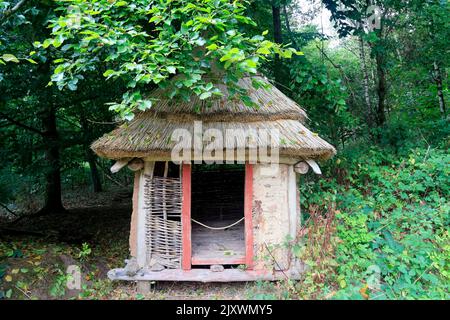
(149, 134)
(272, 105)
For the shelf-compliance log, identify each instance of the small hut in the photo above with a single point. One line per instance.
(202, 219)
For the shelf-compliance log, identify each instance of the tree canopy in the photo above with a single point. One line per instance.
(147, 42)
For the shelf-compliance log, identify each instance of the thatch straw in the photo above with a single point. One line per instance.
(150, 133)
(271, 103)
(148, 136)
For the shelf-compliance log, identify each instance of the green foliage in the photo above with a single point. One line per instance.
(392, 217)
(320, 87)
(58, 287)
(98, 289)
(85, 251)
(147, 42)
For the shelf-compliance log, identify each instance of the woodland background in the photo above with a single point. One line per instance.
(375, 224)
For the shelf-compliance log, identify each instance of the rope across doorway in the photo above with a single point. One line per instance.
(218, 228)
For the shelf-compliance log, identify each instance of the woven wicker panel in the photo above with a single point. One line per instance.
(163, 220)
(163, 196)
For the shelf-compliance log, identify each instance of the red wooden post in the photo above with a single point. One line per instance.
(248, 204)
(186, 217)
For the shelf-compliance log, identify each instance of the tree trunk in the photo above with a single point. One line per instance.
(90, 156)
(276, 15)
(288, 27)
(278, 38)
(438, 80)
(53, 202)
(368, 111)
(26, 153)
(381, 90)
(95, 177)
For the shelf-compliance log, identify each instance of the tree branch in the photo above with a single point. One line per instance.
(288, 27)
(14, 9)
(20, 124)
(4, 206)
(339, 68)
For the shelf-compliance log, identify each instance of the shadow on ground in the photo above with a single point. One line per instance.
(35, 253)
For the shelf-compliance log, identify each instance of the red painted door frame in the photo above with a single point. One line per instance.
(248, 205)
(186, 262)
(186, 249)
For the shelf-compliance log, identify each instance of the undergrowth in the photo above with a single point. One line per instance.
(378, 226)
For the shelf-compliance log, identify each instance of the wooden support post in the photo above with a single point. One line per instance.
(314, 166)
(186, 217)
(143, 287)
(119, 164)
(248, 204)
(141, 247)
(134, 215)
(164, 203)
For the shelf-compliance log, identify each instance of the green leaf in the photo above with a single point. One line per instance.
(10, 58)
(59, 69)
(251, 63)
(263, 50)
(47, 43)
(205, 95)
(58, 41)
(72, 85)
(140, 296)
(287, 54)
(200, 42)
(145, 105)
(247, 101)
(171, 69)
(121, 4)
(155, 19)
(212, 47)
(209, 86)
(108, 73)
(58, 77)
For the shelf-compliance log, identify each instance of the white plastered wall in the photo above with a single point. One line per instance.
(276, 215)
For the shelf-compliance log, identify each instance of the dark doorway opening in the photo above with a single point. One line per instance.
(217, 201)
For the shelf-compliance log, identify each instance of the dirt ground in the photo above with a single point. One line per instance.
(36, 251)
